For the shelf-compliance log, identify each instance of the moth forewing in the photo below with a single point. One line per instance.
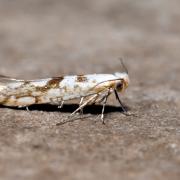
(96, 88)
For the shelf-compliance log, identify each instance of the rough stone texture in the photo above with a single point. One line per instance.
(44, 38)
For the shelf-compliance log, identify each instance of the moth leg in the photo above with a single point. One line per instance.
(61, 105)
(120, 102)
(95, 100)
(84, 104)
(80, 103)
(104, 99)
(101, 99)
(27, 108)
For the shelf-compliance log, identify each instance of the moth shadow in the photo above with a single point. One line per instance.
(69, 108)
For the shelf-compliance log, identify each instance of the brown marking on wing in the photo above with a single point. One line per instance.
(39, 100)
(17, 101)
(9, 101)
(81, 78)
(26, 83)
(41, 88)
(36, 88)
(54, 82)
(51, 84)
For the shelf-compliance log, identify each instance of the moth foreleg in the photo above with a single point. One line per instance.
(122, 106)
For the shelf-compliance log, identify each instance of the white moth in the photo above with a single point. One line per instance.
(90, 89)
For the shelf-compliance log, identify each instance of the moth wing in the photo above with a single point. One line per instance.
(6, 82)
(5, 79)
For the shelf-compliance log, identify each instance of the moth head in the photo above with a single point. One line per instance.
(122, 81)
(122, 77)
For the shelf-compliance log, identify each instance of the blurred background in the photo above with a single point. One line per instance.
(45, 38)
(50, 37)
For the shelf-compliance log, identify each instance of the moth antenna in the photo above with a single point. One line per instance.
(123, 65)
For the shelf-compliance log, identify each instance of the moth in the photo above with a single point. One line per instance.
(90, 89)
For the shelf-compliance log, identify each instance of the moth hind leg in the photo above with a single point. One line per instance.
(61, 105)
(80, 103)
(27, 108)
(84, 104)
(104, 100)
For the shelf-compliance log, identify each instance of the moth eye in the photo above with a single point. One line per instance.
(119, 86)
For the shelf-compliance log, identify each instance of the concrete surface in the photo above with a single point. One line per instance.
(44, 38)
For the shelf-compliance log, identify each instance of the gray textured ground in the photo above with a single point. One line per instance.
(44, 38)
